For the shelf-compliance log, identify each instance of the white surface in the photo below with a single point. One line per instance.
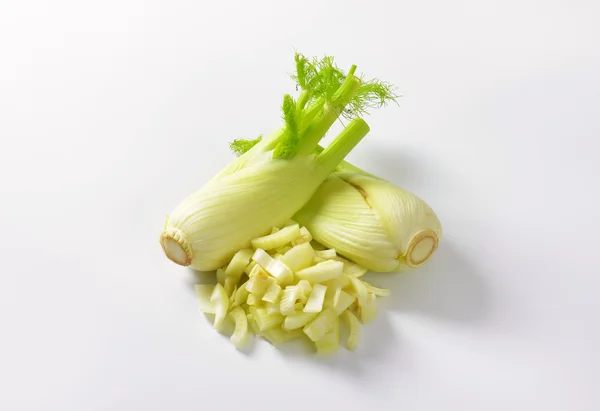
(111, 112)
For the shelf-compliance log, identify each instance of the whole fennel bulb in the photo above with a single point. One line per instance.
(212, 224)
(276, 177)
(372, 222)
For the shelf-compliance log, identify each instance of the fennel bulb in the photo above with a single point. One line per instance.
(268, 184)
(372, 222)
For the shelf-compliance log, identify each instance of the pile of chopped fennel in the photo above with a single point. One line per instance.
(289, 287)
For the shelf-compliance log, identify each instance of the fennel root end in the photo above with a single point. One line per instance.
(421, 247)
(176, 247)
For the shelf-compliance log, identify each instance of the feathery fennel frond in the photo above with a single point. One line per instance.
(240, 146)
(327, 93)
(318, 77)
(288, 145)
(372, 94)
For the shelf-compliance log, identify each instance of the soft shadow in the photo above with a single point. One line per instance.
(447, 287)
(200, 277)
(398, 166)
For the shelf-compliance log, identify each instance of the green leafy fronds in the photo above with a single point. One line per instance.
(320, 77)
(329, 78)
(371, 94)
(302, 71)
(240, 146)
(289, 113)
(306, 71)
(327, 93)
(288, 146)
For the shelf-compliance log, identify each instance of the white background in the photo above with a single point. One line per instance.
(112, 111)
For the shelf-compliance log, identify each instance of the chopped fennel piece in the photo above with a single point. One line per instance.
(353, 325)
(305, 237)
(281, 272)
(272, 294)
(342, 301)
(259, 283)
(299, 257)
(253, 325)
(278, 239)
(274, 267)
(240, 333)
(277, 256)
(326, 254)
(333, 290)
(220, 300)
(344, 280)
(238, 263)
(272, 308)
(325, 271)
(288, 299)
(203, 292)
(315, 301)
(253, 299)
(256, 270)
(368, 312)
(262, 257)
(230, 285)
(381, 292)
(321, 325)
(250, 267)
(274, 230)
(232, 296)
(299, 320)
(301, 240)
(241, 295)
(305, 289)
(277, 336)
(350, 268)
(318, 260)
(305, 233)
(355, 270)
(330, 343)
(284, 250)
(336, 295)
(265, 320)
(360, 291)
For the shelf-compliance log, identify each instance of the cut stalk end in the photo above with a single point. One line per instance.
(421, 247)
(176, 248)
(339, 148)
